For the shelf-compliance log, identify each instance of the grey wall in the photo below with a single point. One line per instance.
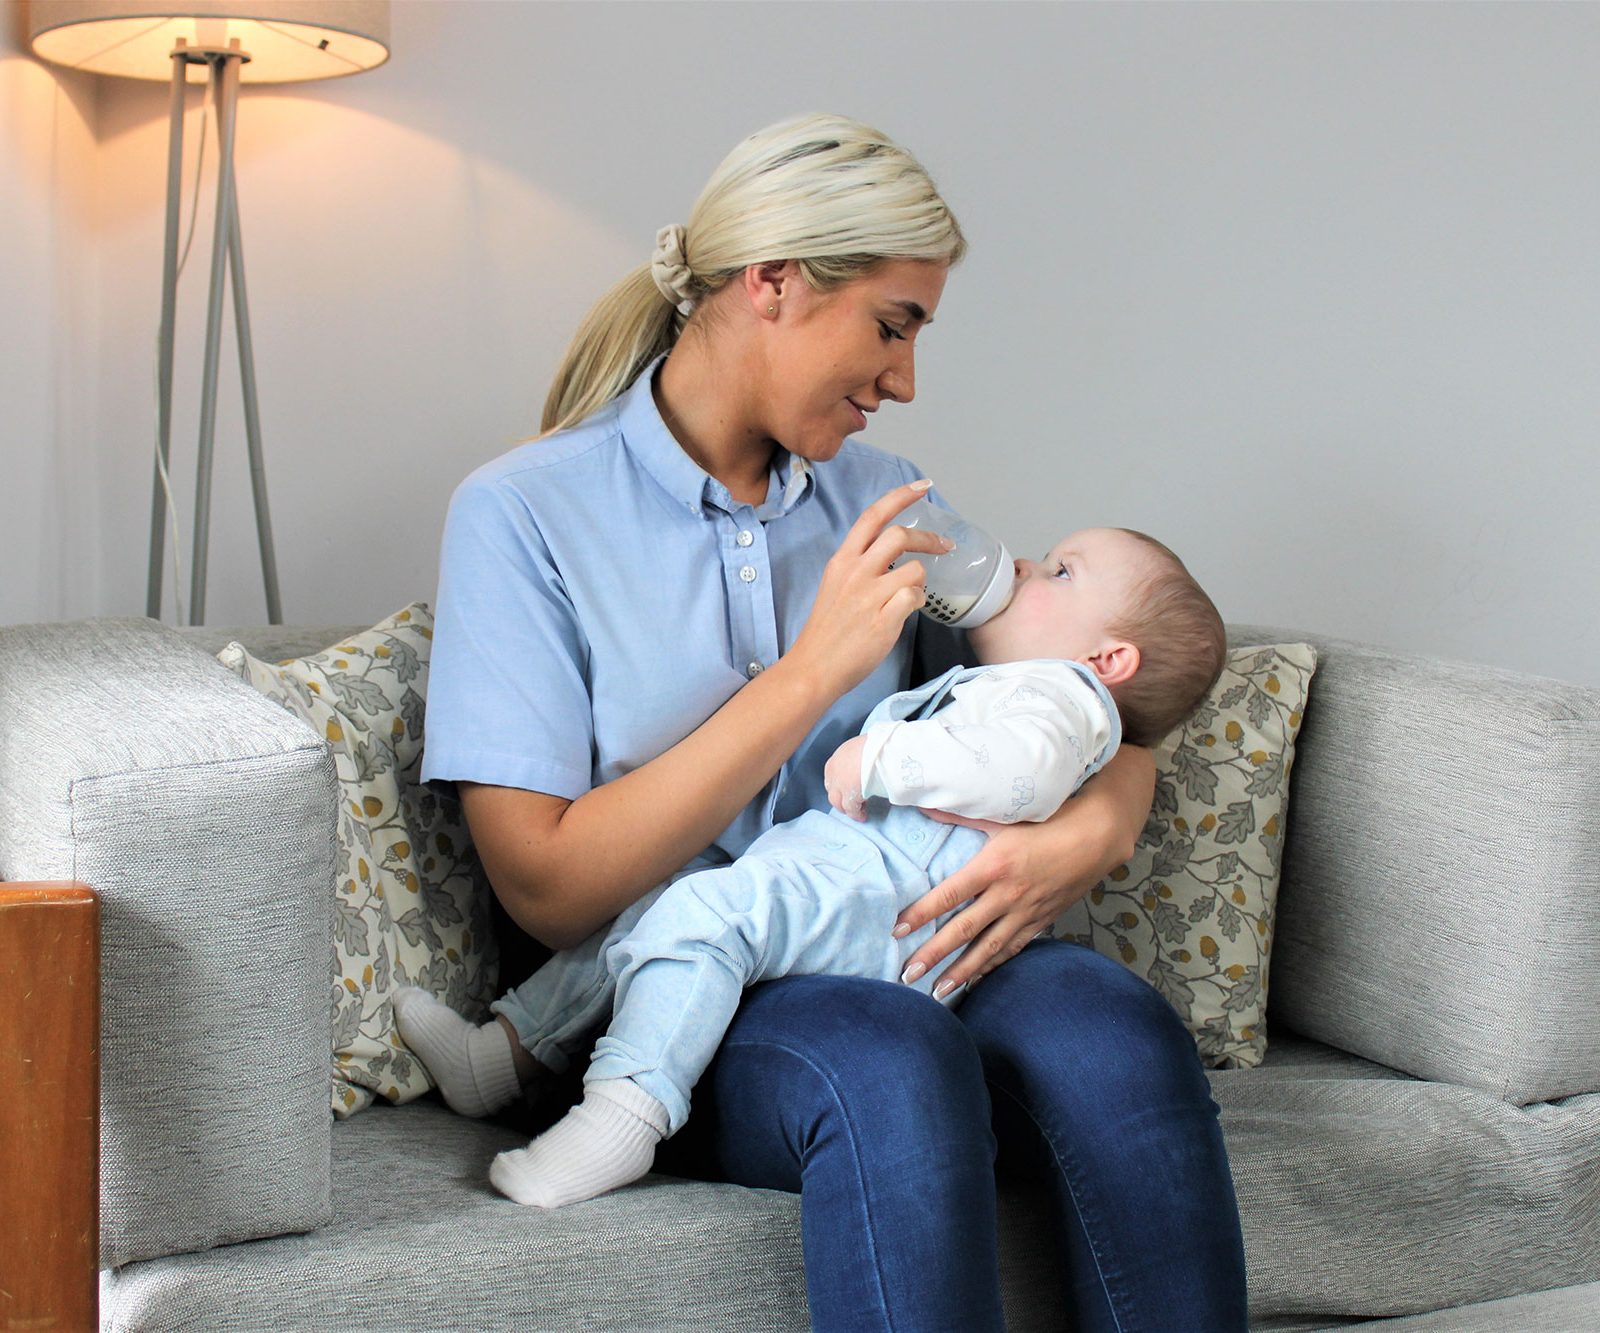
(49, 489)
(1309, 291)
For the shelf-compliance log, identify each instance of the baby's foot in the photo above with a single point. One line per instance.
(472, 1066)
(603, 1144)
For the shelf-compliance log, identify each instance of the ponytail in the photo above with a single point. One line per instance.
(629, 327)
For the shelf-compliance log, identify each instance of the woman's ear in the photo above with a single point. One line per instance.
(1114, 663)
(766, 284)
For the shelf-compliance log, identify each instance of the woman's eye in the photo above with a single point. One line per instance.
(1062, 572)
(888, 331)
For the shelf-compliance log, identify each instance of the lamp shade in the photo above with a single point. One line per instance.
(288, 41)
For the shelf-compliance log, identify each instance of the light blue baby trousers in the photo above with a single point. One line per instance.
(818, 894)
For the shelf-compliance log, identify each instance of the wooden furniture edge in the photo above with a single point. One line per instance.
(49, 1105)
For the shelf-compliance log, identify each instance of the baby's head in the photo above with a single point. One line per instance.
(1122, 604)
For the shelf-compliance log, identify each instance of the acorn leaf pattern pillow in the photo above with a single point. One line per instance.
(1192, 911)
(410, 904)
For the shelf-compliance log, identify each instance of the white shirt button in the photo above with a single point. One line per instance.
(745, 538)
(754, 670)
(748, 573)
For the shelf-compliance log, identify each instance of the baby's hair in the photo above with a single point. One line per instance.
(1181, 642)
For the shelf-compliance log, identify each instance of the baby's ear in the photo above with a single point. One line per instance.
(1115, 663)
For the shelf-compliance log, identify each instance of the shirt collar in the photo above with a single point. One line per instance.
(647, 437)
(649, 440)
(790, 481)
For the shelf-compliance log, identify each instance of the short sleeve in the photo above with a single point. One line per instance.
(508, 702)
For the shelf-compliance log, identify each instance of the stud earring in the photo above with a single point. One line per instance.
(772, 310)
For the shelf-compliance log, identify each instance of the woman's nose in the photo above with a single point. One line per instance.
(899, 382)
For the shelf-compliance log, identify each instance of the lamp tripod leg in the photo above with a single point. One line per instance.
(252, 414)
(226, 70)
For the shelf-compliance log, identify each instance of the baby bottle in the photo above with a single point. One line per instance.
(968, 585)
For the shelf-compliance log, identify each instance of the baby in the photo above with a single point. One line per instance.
(1108, 639)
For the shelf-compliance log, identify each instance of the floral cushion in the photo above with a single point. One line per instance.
(1192, 912)
(410, 906)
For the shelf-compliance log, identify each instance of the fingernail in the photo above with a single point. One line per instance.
(942, 989)
(948, 544)
(901, 931)
(910, 975)
(922, 485)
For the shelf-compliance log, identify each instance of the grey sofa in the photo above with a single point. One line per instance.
(1424, 1136)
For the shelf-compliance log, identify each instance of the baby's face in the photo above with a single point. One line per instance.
(1064, 605)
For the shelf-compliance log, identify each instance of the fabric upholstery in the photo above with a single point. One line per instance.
(1565, 1310)
(1364, 1192)
(407, 1245)
(133, 763)
(1438, 910)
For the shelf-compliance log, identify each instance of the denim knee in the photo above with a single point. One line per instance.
(885, 1054)
(1112, 1026)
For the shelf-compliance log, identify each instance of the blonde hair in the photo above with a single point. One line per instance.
(1182, 644)
(836, 196)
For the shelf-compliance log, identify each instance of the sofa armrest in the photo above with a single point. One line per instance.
(49, 1105)
(204, 816)
(1439, 910)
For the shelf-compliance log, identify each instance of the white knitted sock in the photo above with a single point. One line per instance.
(472, 1066)
(603, 1144)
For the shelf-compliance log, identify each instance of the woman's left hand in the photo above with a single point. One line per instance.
(1026, 875)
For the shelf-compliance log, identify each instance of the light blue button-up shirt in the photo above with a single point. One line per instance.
(600, 596)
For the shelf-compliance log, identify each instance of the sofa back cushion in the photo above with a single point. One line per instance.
(1439, 910)
(203, 815)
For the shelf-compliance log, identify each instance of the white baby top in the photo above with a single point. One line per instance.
(1011, 744)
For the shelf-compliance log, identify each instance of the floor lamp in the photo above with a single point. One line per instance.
(231, 41)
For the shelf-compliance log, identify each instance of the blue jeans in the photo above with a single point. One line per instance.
(887, 1112)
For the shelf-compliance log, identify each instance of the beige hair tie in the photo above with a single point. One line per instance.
(671, 271)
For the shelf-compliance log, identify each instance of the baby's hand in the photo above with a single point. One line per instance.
(842, 778)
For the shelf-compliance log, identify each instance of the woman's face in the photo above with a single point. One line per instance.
(833, 358)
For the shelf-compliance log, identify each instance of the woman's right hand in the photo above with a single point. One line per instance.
(861, 603)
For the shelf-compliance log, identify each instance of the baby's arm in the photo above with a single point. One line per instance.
(1009, 747)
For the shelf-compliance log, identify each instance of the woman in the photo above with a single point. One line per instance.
(655, 624)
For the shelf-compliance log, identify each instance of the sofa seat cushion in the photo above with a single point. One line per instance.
(420, 1240)
(1364, 1192)
(1367, 1192)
